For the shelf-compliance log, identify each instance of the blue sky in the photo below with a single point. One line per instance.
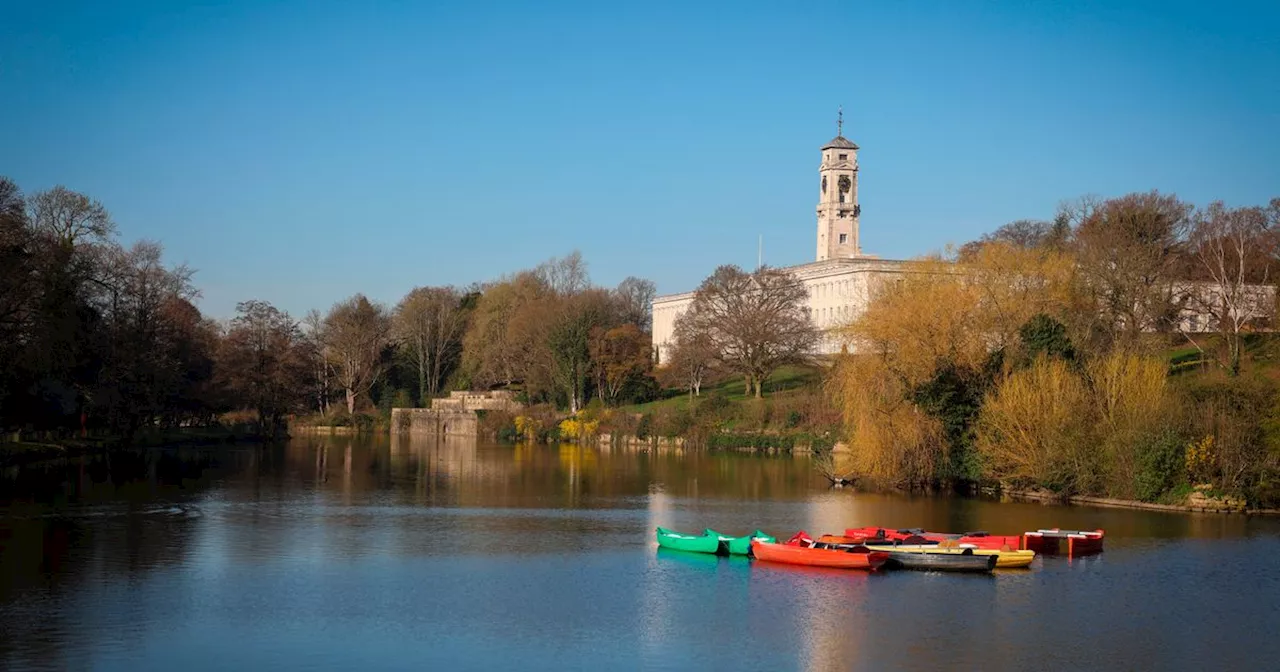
(300, 152)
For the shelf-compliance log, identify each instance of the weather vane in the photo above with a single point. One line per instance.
(840, 121)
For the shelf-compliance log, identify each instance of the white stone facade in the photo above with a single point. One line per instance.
(839, 291)
(840, 282)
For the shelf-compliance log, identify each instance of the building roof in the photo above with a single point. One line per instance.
(840, 142)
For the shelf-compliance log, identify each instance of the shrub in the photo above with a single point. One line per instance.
(1034, 429)
(1161, 466)
(1131, 405)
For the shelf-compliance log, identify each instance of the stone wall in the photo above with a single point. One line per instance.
(444, 422)
(463, 400)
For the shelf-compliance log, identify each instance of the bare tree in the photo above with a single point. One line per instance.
(757, 321)
(317, 355)
(429, 323)
(1234, 249)
(68, 217)
(1127, 248)
(565, 275)
(568, 334)
(693, 358)
(635, 301)
(1028, 234)
(15, 269)
(356, 335)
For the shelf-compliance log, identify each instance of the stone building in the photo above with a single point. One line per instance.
(841, 280)
(454, 415)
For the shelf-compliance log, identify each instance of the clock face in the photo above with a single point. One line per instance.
(824, 184)
(845, 183)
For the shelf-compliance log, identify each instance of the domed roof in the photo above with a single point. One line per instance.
(840, 142)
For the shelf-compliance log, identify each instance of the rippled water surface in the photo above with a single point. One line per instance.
(417, 554)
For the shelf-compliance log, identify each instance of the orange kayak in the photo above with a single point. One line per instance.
(796, 552)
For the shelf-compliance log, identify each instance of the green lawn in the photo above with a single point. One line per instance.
(783, 381)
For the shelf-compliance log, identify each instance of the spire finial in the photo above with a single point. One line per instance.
(840, 121)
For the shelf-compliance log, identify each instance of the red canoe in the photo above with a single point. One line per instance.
(978, 539)
(1072, 543)
(798, 551)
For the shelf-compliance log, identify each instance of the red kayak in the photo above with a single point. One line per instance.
(1072, 543)
(917, 536)
(799, 550)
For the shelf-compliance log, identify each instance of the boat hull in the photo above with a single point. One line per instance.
(1004, 559)
(689, 543)
(792, 554)
(1071, 543)
(942, 562)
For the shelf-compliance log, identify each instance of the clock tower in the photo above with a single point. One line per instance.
(838, 208)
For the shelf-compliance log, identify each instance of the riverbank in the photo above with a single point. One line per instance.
(22, 452)
(1201, 504)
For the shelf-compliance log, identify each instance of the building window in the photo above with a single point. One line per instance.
(844, 156)
(844, 238)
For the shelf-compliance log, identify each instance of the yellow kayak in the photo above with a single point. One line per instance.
(1004, 559)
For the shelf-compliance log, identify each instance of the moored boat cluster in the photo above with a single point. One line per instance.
(874, 548)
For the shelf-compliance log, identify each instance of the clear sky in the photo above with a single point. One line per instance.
(300, 152)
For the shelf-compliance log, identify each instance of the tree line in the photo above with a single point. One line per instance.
(99, 336)
(1100, 353)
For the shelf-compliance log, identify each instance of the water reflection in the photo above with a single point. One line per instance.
(422, 551)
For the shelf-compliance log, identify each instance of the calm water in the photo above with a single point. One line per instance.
(340, 553)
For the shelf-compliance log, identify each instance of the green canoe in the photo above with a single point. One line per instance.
(707, 542)
(742, 545)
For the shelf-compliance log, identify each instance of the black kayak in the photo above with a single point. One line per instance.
(935, 562)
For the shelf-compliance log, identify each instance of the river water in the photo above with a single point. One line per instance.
(342, 553)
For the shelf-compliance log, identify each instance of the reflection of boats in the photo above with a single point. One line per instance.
(926, 558)
(709, 541)
(801, 550)
(1077, 543)
(691, 558)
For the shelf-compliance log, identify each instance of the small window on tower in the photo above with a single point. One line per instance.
(844, 157)
(844, 238)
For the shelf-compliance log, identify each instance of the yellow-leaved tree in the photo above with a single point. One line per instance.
(925, 349)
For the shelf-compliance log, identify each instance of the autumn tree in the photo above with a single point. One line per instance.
(1232, 251)
(429, 324)
(356, 337)
(264, 362)
(929, 345)
(619, 355)
(505, 326)
(757, 321)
